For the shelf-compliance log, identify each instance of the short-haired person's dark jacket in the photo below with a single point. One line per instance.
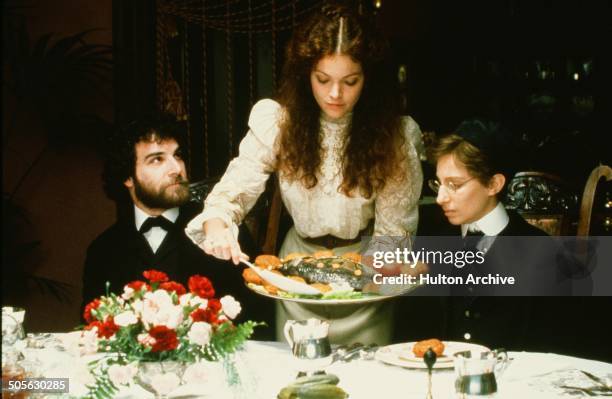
(120, 254)
(530, 323)
(498, 320)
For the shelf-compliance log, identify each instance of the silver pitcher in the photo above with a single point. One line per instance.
(309, 344)
(476, 371)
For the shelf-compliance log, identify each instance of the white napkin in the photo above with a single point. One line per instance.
(526, 365)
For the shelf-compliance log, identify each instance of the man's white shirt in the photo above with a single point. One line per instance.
(156, 234)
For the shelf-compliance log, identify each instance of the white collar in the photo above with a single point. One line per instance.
(140, 216)
(490, 224)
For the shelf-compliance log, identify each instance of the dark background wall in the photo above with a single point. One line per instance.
(538, 66)
(53, 203)
(461, 58)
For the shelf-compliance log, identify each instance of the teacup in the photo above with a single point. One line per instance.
(476, 371)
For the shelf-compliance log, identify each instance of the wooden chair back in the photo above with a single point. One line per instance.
(588, 196)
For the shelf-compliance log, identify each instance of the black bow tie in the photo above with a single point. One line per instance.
(158, 221)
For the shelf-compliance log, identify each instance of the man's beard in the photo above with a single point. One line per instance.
(161, 199)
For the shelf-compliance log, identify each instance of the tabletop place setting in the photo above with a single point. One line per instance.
(307, 366)
(196, 349)
(475, 366)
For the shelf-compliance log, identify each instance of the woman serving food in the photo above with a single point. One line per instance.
(345, 160)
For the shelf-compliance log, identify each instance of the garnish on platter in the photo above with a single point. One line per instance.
(335, 277)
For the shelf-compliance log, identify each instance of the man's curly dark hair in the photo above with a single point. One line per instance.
(120, 162)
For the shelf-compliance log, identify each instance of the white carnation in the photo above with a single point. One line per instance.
(125, 319)
(200, 333)
(138, 305)
(201, 302)
(192, 300)
(128, 292)
(159, 310)
(184, 299)
(231, 307)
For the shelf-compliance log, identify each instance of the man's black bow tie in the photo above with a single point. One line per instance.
(158, 221)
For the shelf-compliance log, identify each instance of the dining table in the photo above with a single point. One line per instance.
(264, 368)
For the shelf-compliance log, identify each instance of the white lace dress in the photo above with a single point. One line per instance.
(318, 211)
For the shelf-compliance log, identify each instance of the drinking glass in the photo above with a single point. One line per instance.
(476, 372)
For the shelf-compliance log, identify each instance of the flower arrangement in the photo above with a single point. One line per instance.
(159, 320)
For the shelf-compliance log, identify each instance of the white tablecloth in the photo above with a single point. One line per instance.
(266, 367)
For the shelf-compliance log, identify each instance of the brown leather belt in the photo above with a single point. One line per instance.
(329, 241)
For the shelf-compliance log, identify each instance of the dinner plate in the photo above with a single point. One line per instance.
(258, 289)
(402, 355)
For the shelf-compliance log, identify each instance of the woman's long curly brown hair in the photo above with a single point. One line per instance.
(372, 152)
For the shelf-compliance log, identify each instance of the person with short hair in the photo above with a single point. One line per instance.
(473, 168)
(145, 172)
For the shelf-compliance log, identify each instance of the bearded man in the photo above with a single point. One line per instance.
(145, 173)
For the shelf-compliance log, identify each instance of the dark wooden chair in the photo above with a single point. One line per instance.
(544, 200)
(200, 189)
(263, 219)
(588, 197)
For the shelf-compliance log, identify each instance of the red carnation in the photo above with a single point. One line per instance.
(93, 324)
(201, 286)
(105, 329)
(173, 286)
(155, 276)
(90, 306)
(212, 311)
(211, 317)
(108, 328)
(210, 314)
(198, 315)
(136, 285)
(214, 305)
(165, 339)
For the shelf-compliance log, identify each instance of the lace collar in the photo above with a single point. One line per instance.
(338, 122)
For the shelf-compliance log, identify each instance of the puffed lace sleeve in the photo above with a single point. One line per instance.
(246, 175)
(396, 206)
(413, 132)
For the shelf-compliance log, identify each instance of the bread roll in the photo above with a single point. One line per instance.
(421, 347)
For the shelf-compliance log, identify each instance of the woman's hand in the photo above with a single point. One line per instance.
(220, 242)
